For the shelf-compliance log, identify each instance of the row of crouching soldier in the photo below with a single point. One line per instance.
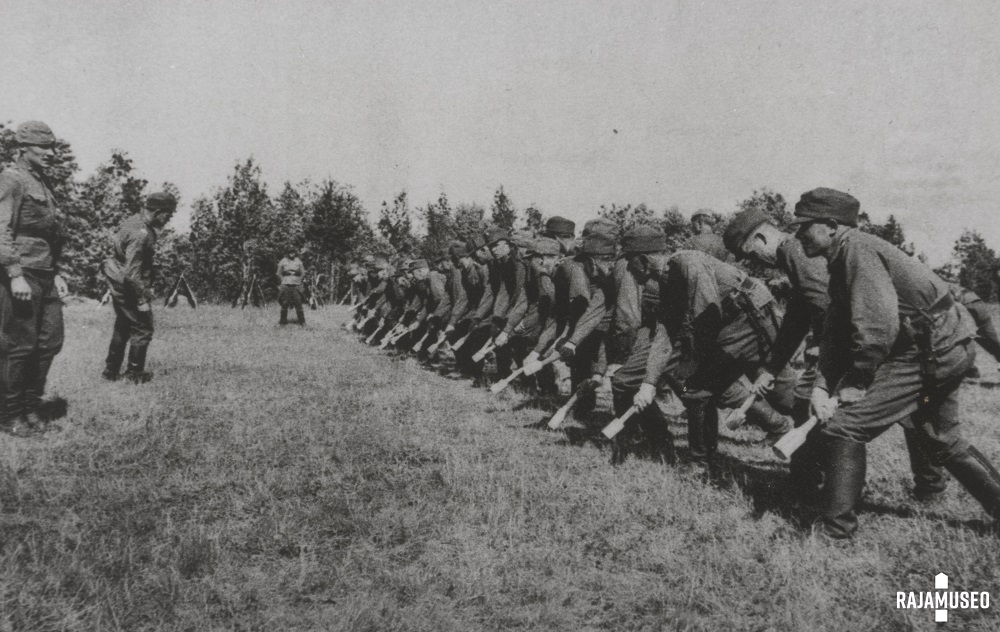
(692, 324)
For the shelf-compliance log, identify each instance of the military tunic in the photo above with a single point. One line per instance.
(31, 332)
(893, 329)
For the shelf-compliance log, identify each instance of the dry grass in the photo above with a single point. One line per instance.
(285, 479)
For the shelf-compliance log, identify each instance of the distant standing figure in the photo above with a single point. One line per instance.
(31, 292)
(290, 273)
(129, 271)
(704, 240)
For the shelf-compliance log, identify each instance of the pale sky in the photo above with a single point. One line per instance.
(897, 101)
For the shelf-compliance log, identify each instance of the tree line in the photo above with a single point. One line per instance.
(244, 229)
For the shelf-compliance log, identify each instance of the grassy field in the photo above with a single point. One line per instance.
(287, 479)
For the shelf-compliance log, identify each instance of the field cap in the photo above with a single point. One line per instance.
(416, 264)
(560, 227)
(825, 203)
(493, 235)
(598, 244)
(601, 226)
(475, 243)
(161, 201)
(741, 226)
(644, 240)
(704, 216)
(34, 133)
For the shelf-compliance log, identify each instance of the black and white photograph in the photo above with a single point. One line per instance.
(459, 316)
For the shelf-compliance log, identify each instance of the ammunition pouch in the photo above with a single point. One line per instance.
(752, 298)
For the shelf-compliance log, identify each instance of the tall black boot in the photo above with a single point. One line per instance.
(978, 476)
(845, 464)
(703, 429)
(805, 470)
(658, 438)
(928, 479)
(284, 316)
(136, 371)
(116, 355)
(300, 314)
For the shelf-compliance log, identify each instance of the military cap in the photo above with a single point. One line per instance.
(544, 246)
(643, 240)
(381, 264)
(560, 227)
(493, 235)
(825, 203)
(162, 201)
(458, 249)
(704, 216)
(598, 244)
(742, 226)
(475, 242)
(34, 133)
(602, 226)
(416, 264)
(522, 238)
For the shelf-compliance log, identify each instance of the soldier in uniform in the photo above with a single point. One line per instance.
(716, 326)
(31, 322)
(537, 298)
(581, 315)
(129, 271)
(508, 308)
(636, 311)
(703, 239)
(290, 275)
(434, 303)
(895, 349)
(986, 332)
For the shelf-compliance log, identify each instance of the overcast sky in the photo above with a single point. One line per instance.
(569, 104)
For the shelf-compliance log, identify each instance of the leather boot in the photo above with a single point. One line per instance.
(136, 372)
(658, 438)
(978, 476)
(928, 479)
(845, 465)
(805, 470)
(703, 429)
(765, 417)
(284, 316)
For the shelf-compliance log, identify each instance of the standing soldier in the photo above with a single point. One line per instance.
(31, 323)
(704, 240)
(895, 349)
(290, 275)
(129, 271)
